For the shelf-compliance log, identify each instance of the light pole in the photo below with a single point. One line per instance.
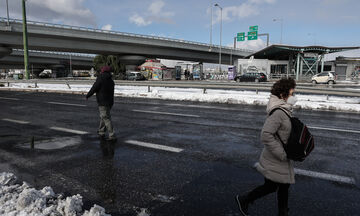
(281, 21)
(313, 34)
(7, 11)
(25, 39)
(217, 5)
(211, 24)
(71, 74)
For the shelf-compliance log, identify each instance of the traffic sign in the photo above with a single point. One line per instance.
(252, 35)
(241, 36)
(253, 28)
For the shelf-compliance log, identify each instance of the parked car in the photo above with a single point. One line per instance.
(135, 76)
(324, 77)
(251, 77)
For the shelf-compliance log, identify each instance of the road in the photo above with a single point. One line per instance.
(172, 158)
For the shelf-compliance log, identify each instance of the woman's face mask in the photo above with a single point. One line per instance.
(292, 100)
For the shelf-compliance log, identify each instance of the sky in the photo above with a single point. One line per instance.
(304, 22)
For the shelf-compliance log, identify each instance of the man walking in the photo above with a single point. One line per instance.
(104, 89)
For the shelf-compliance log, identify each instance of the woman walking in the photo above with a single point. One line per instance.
(277, 170)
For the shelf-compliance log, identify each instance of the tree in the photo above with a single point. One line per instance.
(112, 61)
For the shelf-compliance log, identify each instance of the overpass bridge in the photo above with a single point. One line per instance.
(46, 59)
(64, 38)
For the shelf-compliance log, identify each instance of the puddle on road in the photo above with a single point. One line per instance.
(54, 143)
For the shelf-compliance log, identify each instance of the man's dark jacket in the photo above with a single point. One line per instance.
(104, 89)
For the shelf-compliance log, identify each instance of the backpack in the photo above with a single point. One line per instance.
(300, 142)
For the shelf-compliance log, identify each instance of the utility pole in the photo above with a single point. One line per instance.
(70, 66)
(211, 24)
(25, 39)
(217, 5)
(7, 11)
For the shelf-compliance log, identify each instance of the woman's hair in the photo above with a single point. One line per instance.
(282, 87)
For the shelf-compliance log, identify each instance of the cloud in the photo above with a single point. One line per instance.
(262, 1)
(246, 9)
(156, 14)
(251, 45)
(156, 7)
(71, 12)
(107, 27)
(139, 20)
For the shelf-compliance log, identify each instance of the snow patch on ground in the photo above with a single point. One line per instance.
(23, 200)
(314, 102)
(143, 212)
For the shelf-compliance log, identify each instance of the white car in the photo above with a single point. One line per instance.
(328, 77)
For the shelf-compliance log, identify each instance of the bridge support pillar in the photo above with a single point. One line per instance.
(4, 51)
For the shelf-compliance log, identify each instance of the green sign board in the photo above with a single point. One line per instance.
(253, 28)
(241, 36)
(252, 35)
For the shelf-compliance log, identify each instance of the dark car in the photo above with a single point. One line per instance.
(251, 77)
(135, 76)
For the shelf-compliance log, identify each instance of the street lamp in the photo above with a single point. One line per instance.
(217, 5)
(281, 21)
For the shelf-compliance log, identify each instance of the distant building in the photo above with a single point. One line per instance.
(346, 67)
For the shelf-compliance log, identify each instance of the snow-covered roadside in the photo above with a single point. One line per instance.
(314, 102)
(23, 200)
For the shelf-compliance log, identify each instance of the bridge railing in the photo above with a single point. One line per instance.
(2, 19)
(58, 53)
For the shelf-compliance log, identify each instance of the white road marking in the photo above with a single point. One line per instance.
(326, 176)
(202, 106)
(67, 104)
(69, 130)
(154, 146)
(15, 121)
(166, 113)
(335, 129)
(6, 98)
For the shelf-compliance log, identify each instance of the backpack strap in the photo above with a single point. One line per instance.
(279, 108)
(272, 111)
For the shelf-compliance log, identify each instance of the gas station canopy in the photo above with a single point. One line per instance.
(283, 52)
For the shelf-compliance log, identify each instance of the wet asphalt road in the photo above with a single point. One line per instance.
(220, 144)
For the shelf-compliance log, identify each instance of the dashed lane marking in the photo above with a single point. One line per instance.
(15, 121)
(334, 129)
(67, 104)
(69, 130)
(325, 176)
(202, 106)
(166, 113)
(154, 146)
(6, 98)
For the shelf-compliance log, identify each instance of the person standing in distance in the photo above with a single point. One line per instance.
(277, 169)
(104, 89)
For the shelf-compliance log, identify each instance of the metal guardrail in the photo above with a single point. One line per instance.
(329, 90)
(58, 53)
(3, 19)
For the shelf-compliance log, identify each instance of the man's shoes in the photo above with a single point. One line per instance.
(242, 204)
(101, 136)
(284, 212)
